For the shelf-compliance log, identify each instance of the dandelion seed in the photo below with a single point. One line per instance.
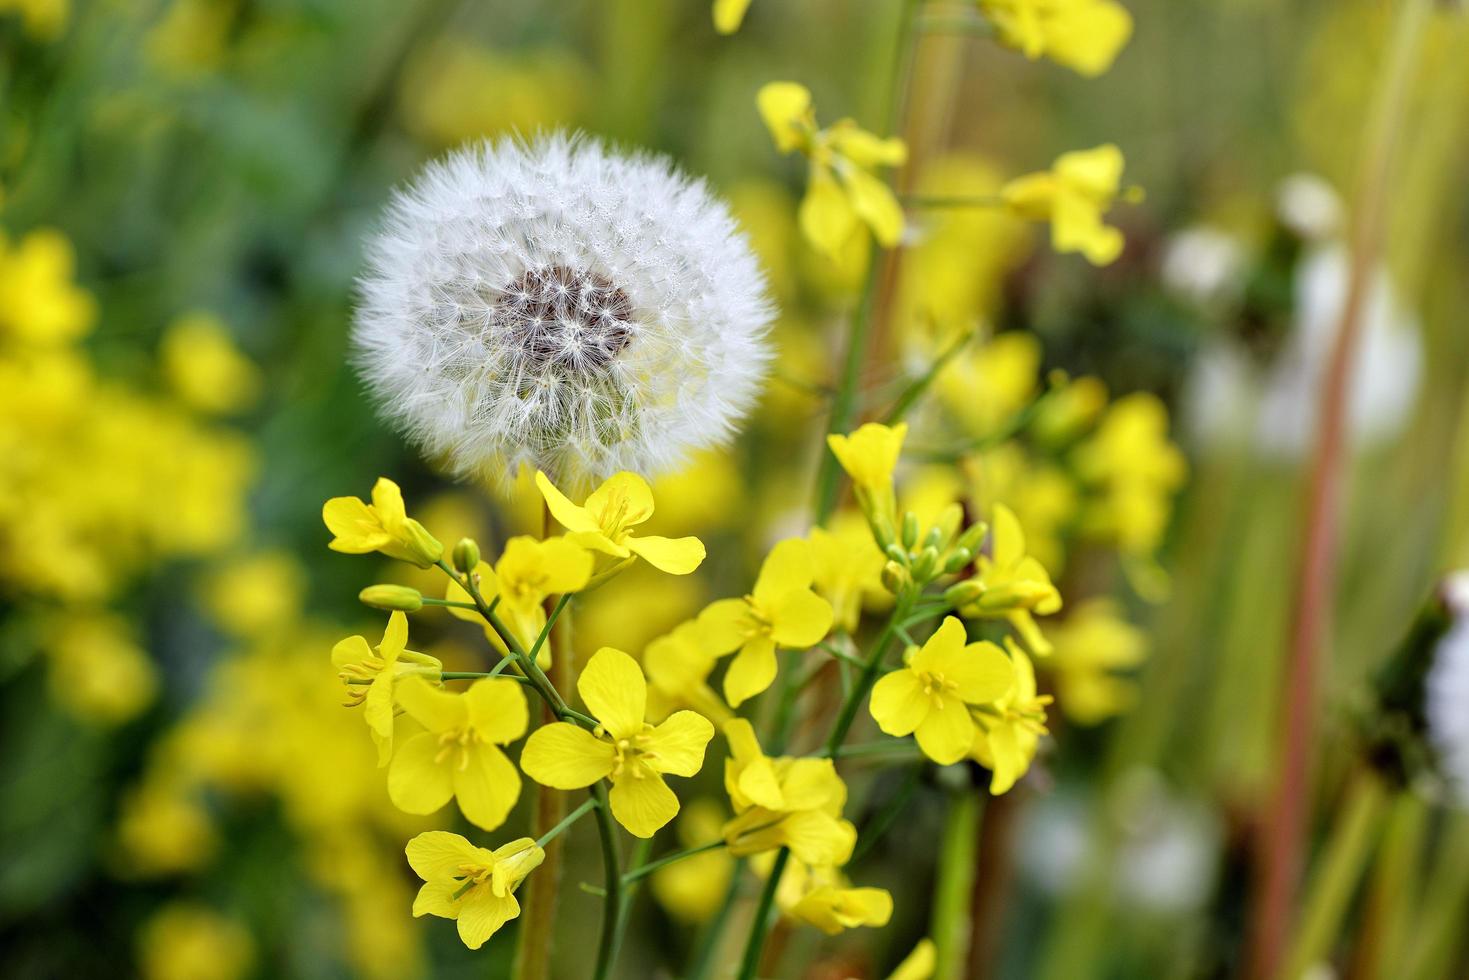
(555, 305)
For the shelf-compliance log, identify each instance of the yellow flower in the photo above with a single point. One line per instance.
(528, 571)
(693, 889)
(1084, 35)
(163, 828)
(919, 964)
(988, 385)
(780, 611)
(187, 941)
(847, 568)
(930, 696)
(98, 673)
(605, 522)
(205, 367)
(784, 802)
(678, 666)
(383, 525)
(1044, 497)
(370, 677)
(1006, 739)
(257, 594)
(624, 747)
(870, 454)
(1136, 469)
(472, 885)
(1011, 584)
(823, 897)
(39, 303)
(1092, 642)
(842, 193)
(1073, 195)
(458, 757)
(729, 14)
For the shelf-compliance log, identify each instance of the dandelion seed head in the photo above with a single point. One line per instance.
(556, 305)
(1447, 702)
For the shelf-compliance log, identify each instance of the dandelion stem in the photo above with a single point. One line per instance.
(1283, 825)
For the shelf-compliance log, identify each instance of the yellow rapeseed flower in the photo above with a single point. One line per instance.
(781, 610)
(930, 696)
(1084, 35)
(1073, 195)
(822, 897)
(1089, 645)
(459, 756)
(847, 568)
(383, 525)
(870, 454)
(39, 303)
(784, 802)
(371, 675)
(729, 14)
(98, 672)
(527, 573)
(1136, 469)
(693, 889)
(606, 520)
(678, 665)
(624, 747)
(842, 193)
(1006, 738)
(1011, 584)
(472, 885)
(205, 368)
(189, 941)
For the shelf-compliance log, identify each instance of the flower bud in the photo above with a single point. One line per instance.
(466, 555)
(973, 537)
(963, 593)
(895, 577)
(957, 559)
(925, 564)
(420, 547)
(896, 553)
(392, 597)
(910, 529)
(945, 527)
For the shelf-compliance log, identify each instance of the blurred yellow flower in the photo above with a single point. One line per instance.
(459, 755)
(633, 754)
(693, 889)
(919, 964)
(528, 571)
(822, 897)
(606, 520)
(705, 493)
(98, 673)
(187, 941)
(1006, 739)
(455, 90)
(1069, 410)
(206, 369)
(370, 675)
(847, 568)
(383, 525)
(255, 594)
(989, 384)
(1136, 470)
(729, 14)
(781, 610)
(43, 20)
(1073, 195)
(39, 303)
(1090, 644)
(841, 193)
(1084, 35)
(472, 885)
(678, 665)
(1010, 584)
(784, 802)
(163, 828)
(930, 696)
(1044, 497)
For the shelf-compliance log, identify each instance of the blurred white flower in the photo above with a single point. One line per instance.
(1203, 264)
(1309, 206)
(1447, 700)
(555, 305)
(1226, 391)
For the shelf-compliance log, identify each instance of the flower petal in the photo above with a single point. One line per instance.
(942, 648)
(416, 783)
(487, 787)
(724, 625)
(395, 637)
(497, 709)
(676, 556)
(356, 528)
(432, 707)
(898, 703)
(982, 672)
(875, 202)
(623, 500)
(1009, 540)
(947, 731)
(352, 650)
(643, 805)
(615, 692)
(570, 516)
(482, 913)
(436, 855)
(751, 671)
(563, 756)
(826, 215)
(818, 838)
(799, 619)
(677, 745)
(788, 568)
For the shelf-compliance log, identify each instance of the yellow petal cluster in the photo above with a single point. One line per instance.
(472, 885)
(371, 675)
(605, 523)
(1083, 35)
(527, 572)
(1006, 739)
(384, 525)
(1073, 196)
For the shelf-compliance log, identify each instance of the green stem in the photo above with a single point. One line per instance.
(956, 864)
(448, 603)
(764, 916)
(921, 384)
(702, 965)
(864, 684)
(900, 746)
(570, 819)
(648, 869)
(883, 820)
(1350, 844)
(612, 917)
(473, 675)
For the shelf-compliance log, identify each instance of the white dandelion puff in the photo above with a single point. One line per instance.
(1447, 701)
(556, 305)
